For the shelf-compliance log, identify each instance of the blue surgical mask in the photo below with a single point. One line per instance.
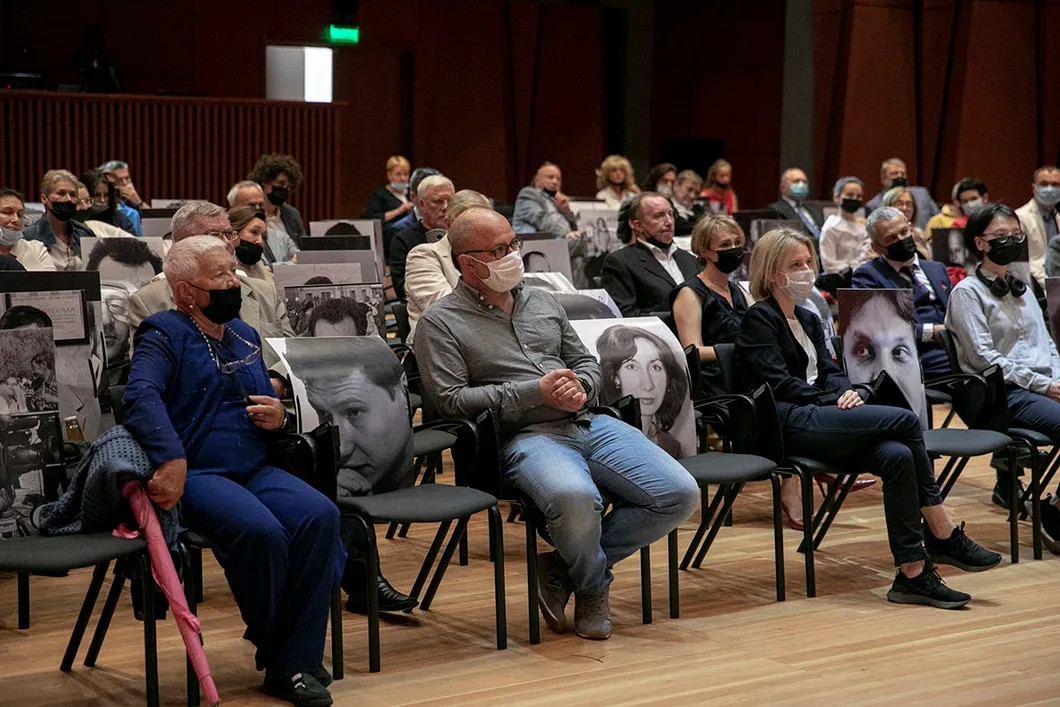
(9, 239)
(1050, 196)
(799, 190)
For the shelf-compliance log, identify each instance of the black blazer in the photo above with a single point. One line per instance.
(379, 202)
(639, 283)
(785, 211)
(766, 352)
(292, 221)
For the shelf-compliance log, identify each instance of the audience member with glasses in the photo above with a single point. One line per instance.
(200, 402)
(261, 307)
(995, 320)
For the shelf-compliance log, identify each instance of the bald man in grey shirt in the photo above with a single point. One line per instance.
(494, 344)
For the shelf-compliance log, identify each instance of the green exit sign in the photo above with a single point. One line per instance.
(344, 35)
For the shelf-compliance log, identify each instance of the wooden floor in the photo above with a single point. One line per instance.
(732, 645)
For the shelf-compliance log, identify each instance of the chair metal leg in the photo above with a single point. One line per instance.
(707, 512)
(954, 475)
(190, 590)
(826, 507)
(807, 532)
(500, 606)
(428, 561)
(727, 494)
(462, 557)
(338, 670)
(514, 512)
(848, 484)
(99, 573)
(391, 529)
(531, 583)
(674, 580)
(1013, 501)
(778, 538)
(645, 584)
(371, 578)
(196, 570)
(23, 600)
(150, 631)
(443, 564)
(1036, 506)
(107, 614)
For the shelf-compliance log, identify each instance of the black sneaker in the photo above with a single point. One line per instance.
(300, 689)
(1051, 525)
(960, 551)
(322, 676)
(926, 588)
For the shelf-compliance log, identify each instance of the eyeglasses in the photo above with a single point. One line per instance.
(1020, 236)
(501, 250)
(233, 366)
(228, 234)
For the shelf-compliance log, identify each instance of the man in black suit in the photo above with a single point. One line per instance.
(640, 276)
(794, 190)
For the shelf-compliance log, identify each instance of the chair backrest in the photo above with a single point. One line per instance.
(767, 438)
(401, 316)
(311, 456)
(950, 347)
(995, 410)
(695, 380)
(726, 354)
(116, 394)
(484, 463)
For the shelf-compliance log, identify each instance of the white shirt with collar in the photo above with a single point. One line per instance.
(666, 259)
(927, 331)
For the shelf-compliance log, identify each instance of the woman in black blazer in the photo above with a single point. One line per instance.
(824, 418)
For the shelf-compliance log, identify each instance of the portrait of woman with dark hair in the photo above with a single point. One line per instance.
(637, 362)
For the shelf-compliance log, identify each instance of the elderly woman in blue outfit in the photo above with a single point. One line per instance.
(200, 403)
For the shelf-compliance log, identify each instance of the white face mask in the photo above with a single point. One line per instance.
(505, 273)
(969, 206)
(799, 284)
(8, 239)
(665, 189)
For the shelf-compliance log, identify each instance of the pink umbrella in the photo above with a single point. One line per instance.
(165, 575)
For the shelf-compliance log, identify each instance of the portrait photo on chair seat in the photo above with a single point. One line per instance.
(358, 385)
(133, 260)
(880, 334)
(641, 357)
(336, 310)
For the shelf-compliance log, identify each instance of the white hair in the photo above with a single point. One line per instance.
(233, 193)
(183, 222)
(112, 165)
(878, 216)
(435, 180)
(183, 260)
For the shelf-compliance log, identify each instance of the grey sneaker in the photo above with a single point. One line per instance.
(592, 616)
(553, 590)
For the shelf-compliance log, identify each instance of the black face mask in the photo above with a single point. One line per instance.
(902, 251)
(63, 210)
(248, 253)
(850, 205)
(82, 215)
(278, 196)
(550, 192)
(657, 243)
(729, 259)
(224, 304)
(1004, 250)
(899, 182)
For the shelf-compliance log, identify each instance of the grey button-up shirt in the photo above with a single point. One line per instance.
(473, 356)
(1007, 331)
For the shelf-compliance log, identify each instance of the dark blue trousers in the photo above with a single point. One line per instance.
(277, 539)
(1033, 411)
(876, 439)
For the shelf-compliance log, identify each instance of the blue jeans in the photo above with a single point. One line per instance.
(885, 441)
(564, 472)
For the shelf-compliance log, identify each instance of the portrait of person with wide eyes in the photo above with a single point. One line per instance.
(879, 334)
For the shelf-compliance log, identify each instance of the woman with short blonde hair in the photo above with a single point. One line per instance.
(392, 200)
(824, 418)
(614, 179)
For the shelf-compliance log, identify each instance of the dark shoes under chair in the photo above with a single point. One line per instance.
(390, 599)
(300, 689)
(592, 612)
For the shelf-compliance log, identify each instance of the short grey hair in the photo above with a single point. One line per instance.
(182, 223)
(878, 216)
(233, 193)
(466, 199)
(842, 182)
(112, 165)
(435, 180)
(689, 175)
(182, 261)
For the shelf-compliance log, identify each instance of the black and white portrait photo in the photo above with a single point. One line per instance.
(641, 357)
(297, 274)
(546, 256)
(357, 384)
(336, 310)
(879, 334)
(132, 260)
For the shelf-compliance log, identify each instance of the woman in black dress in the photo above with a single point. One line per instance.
(391, 202)
(708, 307)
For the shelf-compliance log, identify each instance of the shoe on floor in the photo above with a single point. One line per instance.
(300, 689)
(1051, 525)
(999, 497)
(592, 615)
(926, 588)
(960, 551)
(390, 599)
(553, 590)
(322, 676)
